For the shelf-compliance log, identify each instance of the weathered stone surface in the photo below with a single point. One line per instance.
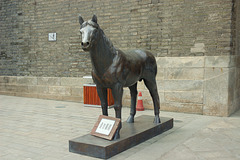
(72, 98)
(184, 97)
(232, 93)
(237, 61)
(59, 90)
(71, 81)
(183, 107)
(12, 79)
(4, 79)
(27, 80)
(42, 89)
(204, 90)
(160, 85)
(49, 81)
(8, 93)
(30, 95)
(216, 96)
(9, 79)
(76, 91)
(214, 72)
(22, 88)
(141, 86)
(184, 73)
(11, 88)
(183, 85)
(2, 87)
(160, 73)
(32, 89)
(218, 61)
(179, 62)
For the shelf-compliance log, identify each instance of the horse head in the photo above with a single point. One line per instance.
(89, 31)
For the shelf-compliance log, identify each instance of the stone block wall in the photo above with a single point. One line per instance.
(57, 88)
(204, 85)
(196, 44)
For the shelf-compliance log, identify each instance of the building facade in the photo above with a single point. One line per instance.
(196, 44)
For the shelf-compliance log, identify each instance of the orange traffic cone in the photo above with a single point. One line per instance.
(140, 103)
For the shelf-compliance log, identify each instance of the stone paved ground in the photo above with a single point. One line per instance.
(35, 129)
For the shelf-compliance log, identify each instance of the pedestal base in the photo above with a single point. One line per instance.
(131, 134)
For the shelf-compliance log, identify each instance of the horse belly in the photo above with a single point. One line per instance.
(130, 82)
(135, 69)
(132, 78)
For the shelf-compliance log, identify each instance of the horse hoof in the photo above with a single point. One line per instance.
(157, 120)
(130, 119)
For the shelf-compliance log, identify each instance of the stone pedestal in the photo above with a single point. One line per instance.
(131, 134)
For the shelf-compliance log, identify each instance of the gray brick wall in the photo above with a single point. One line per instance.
(236, 30)
(168, 28)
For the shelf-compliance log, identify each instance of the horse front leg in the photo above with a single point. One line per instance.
(102, 93)
(117, 92)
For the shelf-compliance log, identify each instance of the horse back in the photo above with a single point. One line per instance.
(142, 59)
(140, 64)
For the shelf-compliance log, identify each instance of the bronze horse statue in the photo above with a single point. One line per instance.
(112, 68)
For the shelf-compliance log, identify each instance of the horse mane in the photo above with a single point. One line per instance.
(108, 42)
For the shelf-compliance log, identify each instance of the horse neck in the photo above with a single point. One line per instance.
(102, 54)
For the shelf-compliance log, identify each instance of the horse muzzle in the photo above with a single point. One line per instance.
(86, 46)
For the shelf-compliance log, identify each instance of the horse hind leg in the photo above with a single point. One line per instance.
(133, 92)
(152, 87)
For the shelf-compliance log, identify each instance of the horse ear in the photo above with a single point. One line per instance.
(80, 19)
(94, 18)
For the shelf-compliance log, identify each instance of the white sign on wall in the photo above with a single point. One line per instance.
(52, 36)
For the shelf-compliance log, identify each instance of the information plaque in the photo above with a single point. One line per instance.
(105, 127)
